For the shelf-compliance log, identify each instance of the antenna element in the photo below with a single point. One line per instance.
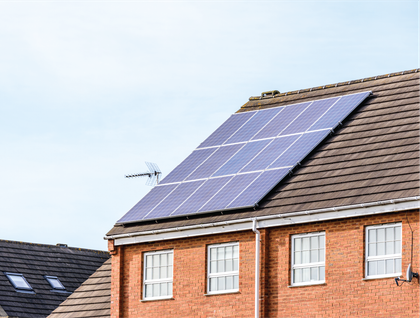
(153, 174)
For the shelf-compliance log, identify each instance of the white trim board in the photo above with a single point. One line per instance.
(388, 206)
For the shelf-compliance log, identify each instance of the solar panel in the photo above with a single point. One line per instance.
(244, 159)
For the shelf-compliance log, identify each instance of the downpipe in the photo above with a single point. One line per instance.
(257, 267)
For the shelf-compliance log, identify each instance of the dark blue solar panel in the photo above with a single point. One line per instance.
(221, 134)
(270, 153)
(230, 192)
(242, 157)
(340, 110)
(259, 188)
(253, 125)
(309, 116)
(213, 163)
(188, 165)
(202, 195)
(300, 149)
(149, 201)
(173, 200)
(281, 121)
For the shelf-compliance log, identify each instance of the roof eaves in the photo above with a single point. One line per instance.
(253, 98)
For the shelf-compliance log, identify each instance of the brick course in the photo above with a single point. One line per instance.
(345, 293)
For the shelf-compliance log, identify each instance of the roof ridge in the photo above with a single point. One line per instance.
(56, 246)
(273, 94)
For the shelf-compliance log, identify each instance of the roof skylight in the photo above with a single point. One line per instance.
(19, 282)
(55, 282)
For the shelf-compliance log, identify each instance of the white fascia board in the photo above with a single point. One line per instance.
(269, 221)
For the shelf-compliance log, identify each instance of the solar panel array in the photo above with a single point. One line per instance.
(244, 159)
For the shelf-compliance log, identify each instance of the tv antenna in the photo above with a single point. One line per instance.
(409, 276)
(152, 176)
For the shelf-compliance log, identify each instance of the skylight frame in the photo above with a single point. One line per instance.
(28, 289)
(55, 278)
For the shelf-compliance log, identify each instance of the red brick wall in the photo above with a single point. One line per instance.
(344, 294)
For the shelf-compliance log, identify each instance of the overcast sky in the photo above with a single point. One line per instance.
(89, 90)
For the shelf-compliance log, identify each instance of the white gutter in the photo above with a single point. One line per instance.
(257, 268)
(269, 221)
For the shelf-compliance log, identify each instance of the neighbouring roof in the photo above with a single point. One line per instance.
(91, 299)
(72, 266)
(374, 156)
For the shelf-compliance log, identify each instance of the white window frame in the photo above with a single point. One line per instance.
(381, 257)
(155, 281)
(222, 274)
(306, 265)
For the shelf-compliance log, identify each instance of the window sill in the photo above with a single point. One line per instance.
(307, 285)
(382, 277)
(223, 293)
(157, 299)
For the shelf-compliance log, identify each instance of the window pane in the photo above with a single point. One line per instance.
(398, 265)
(305, 243)
(229, 282)
(398, 233)
(149, 261)
(213, 284)
(389, 266)
(163, 272)
(169, 289)
(213, 253)
(155, 290)
(380, 249)
(372, 268)
(236, 282)
(164, 289)
(155, 260)
(229, 265)
(389, 248)
(221, 283)
(305, 257)
(372, 249)
(298, 257)
(381, 235)
(397, 247)
(19, 281)
(314, 242)
(322, 241)
(155, 273)
(381, 267)
(229, 251)
(314, 256)
(220, 253)
(213, 267)
(149, 273)
(149, 290)
(321, 255)
(220, 266)
(235, 264)
(322, 273)
(236, 251)
(170, 271)
(306, 276)
(297, 275)
(170, 258)
(314, 273)
(389, 233)
(372, 236)
(298, 244)
(163, 259)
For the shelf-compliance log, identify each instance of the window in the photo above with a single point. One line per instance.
(383, 250)
(158, 273)
(308, 259)
(55, 282)
(223, 268)
(19, 282)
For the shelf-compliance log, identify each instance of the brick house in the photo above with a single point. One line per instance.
(327, 241)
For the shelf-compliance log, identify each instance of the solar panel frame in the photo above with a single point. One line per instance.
(352, 100)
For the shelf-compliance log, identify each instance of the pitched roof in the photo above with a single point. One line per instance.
(91, 299)
(72, 266)
(374, 155)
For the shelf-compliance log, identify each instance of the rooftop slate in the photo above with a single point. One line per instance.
(373, 156)
(71, 265)
(91, 299)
